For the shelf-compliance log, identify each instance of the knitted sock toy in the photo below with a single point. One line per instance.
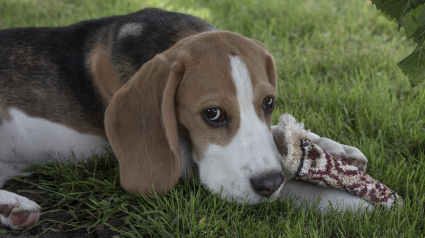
(306, 161)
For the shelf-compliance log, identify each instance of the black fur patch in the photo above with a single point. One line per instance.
(43, 71)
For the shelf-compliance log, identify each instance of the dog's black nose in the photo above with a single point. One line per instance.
(265, 184)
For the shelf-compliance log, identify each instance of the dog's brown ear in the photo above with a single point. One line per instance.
(270, 67)
(271, 70)
(141, 126)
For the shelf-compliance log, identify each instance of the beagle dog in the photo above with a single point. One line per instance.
(168, 93)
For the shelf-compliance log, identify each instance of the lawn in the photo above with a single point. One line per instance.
(337, 72)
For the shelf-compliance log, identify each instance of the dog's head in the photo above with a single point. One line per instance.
(216, 90)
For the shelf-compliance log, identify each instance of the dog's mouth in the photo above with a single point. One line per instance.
(276, 194)
(272, 197)
(249, 198)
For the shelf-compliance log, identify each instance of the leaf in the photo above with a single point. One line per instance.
(397, 8)
(414, 65)
(421, 17)
(418, 36)
(411, 15)
(410, 21)
(409, 25)
(421, 21)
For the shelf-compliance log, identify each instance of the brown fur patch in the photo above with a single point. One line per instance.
(100, 65)
(261, 70)
(4, 114)
(208, 84)
(141, 126)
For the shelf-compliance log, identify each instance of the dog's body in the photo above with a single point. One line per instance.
(165, 91)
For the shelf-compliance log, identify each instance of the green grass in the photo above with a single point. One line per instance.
(337, 68)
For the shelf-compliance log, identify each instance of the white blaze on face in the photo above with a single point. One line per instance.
(251, 152)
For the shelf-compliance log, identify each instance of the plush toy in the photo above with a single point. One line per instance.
(305, 160)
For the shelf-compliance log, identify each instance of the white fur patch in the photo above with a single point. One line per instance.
(25, 140)
(20, 204)
(130, 29)
(252, 151)
(8, 169)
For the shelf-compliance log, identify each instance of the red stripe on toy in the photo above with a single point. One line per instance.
(322, 169)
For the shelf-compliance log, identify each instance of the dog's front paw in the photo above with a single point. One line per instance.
(16, 211)
(351, 154)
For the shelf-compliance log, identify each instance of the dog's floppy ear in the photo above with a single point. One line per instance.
(141, 126)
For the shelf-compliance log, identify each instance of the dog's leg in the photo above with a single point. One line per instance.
(308, 195)
(15, 211)
(25, 140)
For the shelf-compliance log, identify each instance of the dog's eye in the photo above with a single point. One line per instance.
(215, 116)
(268, 104)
